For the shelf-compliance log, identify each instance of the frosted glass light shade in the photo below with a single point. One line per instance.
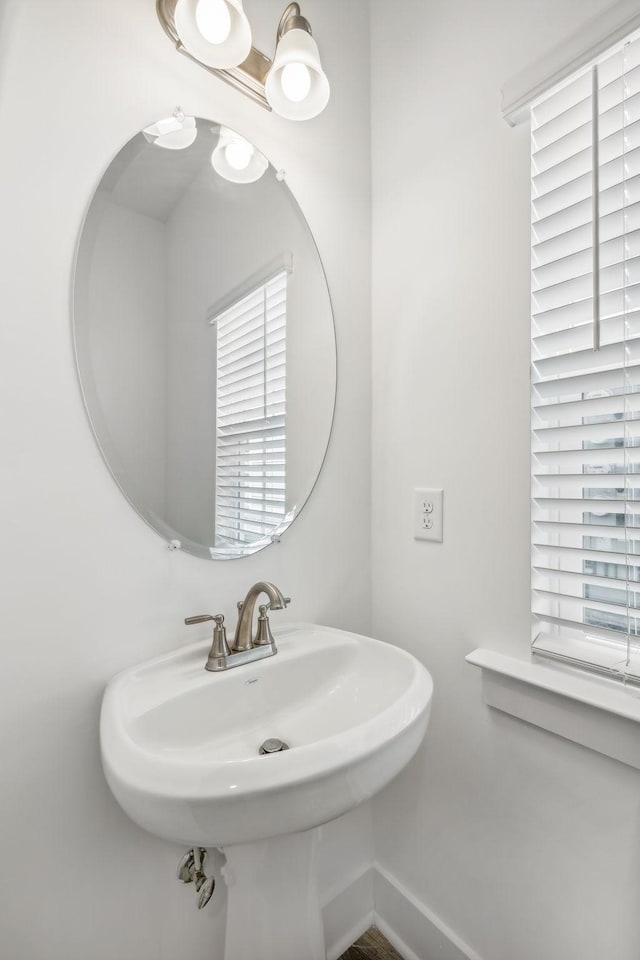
(231, 51)
(237, 160)
(297, 47)
(213, 20)
(172, 133)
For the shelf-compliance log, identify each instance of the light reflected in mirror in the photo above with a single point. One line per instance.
(204, 338)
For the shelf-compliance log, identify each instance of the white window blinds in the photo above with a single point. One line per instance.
(586, 366)
(250, 415)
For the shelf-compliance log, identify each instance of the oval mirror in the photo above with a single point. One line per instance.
(204, 338)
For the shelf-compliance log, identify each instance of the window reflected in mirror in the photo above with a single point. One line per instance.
(251, 415)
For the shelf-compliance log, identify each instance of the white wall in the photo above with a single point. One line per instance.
(120, 336)
(525, 845)
(87, 587)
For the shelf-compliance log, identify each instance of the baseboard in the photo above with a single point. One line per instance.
(376, 897)
(409, 926)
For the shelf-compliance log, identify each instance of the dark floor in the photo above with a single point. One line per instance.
(371, 946)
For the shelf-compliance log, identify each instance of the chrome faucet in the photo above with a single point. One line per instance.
(245, 648)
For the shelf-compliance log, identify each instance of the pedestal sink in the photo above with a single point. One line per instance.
(180, 750)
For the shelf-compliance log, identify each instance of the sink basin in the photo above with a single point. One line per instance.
(180, 746)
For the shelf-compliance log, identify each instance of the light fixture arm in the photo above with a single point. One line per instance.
(292, 19)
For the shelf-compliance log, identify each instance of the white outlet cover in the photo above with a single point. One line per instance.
(428, 508)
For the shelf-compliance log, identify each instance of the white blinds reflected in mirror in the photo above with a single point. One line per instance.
(586, 366)
(251, 415)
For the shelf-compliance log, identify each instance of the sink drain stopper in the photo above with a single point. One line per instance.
(273, 746)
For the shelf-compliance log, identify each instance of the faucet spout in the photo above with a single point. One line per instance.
(243, 639)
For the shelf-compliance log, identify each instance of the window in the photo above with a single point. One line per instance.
(250, 415)
(586, 366)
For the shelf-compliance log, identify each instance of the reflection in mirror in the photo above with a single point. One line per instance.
(204, 338)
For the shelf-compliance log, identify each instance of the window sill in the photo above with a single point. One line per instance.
(596, 712)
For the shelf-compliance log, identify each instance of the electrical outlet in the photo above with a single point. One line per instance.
(427, 514)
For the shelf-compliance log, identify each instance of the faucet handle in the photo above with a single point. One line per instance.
(264, 637)
(217, 659)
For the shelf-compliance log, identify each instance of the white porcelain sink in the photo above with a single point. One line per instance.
(180, 745)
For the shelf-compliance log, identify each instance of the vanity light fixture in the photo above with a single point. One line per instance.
(237, 160)
(173, 133)
(216, 34)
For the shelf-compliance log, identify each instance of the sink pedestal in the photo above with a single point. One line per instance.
(273, 904)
